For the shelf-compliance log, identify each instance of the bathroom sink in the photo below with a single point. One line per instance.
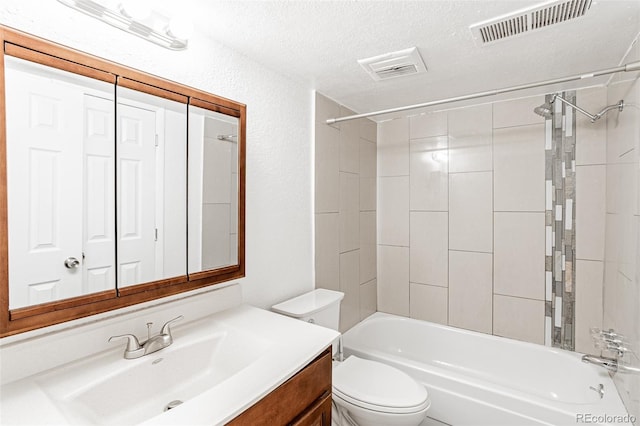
(218, 366)
(109, 390)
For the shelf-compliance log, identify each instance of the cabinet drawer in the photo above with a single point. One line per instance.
(318, 415)
(291, 399)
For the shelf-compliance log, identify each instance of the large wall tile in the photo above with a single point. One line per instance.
(350, 147)
(368, 262)
(393, 148)
(428, 125)
(591, 138)
(349, 212)
(429, 303)
(367, 246)
(326, 109)
(393, 159)
(470, 137)
(471, 291)
(393, 131)
(517, 112)
(368, 228)
(516, 318)
(471, 211)
(519, 257)
(327, 251)
(215, 228)
(393, 280)
(327, 164)
(368, 196)
(368, 129)
(367, 159)
(350, 286)
(621, 131)
(519, 178)
(589, 303)
(368, 299)
(393, 211)
(367, 175)
(429, 177)
(591, 212)
(429, 247)
(629, 265)
(614, 238)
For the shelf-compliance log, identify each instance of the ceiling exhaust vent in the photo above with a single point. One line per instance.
(394, 64)
(527, 20)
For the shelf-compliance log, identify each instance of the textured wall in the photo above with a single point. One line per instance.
(279, 222)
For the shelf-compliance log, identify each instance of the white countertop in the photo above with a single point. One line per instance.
(293, 344)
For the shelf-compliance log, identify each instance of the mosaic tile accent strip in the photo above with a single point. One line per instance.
(560, 176)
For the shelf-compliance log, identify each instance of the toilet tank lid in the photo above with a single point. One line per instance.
(308, 303)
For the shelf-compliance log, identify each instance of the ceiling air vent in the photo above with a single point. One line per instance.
(529, 19)
(394, 64)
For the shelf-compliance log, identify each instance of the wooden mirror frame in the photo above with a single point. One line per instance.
(34, 49)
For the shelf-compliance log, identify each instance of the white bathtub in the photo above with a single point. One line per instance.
(478, 379)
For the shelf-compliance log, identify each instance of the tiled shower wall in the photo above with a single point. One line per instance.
(461, 219)
(621, 269)
(345, 210)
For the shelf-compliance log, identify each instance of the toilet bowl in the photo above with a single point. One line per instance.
(365, 392)
(375, 394)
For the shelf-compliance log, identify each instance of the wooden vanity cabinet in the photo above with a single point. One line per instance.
(303, 400)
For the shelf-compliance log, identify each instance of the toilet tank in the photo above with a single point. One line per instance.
(320, 306)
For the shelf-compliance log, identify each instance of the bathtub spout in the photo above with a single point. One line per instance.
(608, 363)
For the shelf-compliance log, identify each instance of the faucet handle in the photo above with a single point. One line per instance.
(132, 341)
(166, 328)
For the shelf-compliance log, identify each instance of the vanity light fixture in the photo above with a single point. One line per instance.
(137, 17)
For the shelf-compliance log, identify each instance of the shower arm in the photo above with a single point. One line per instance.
(576, 107)
(619, 106)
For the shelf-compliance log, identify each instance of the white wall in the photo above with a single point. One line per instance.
(279, 252)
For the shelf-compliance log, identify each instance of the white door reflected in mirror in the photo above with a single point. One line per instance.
(89, 177)
(151, 194)
(60, 183)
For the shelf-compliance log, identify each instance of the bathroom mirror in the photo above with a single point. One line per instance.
(98, 207)
(213, 189)
(151, 183)
(60, 183)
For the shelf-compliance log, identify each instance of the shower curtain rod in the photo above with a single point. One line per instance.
(633, 66)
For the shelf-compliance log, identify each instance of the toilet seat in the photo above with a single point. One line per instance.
(378, 387)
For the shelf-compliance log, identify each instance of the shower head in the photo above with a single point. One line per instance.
(544, 110)
(228, 138)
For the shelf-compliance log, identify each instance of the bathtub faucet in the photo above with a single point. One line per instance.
(608, 363)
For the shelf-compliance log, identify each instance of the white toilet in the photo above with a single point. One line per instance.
(365, 392)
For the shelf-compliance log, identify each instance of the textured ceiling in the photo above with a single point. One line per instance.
(320, 42)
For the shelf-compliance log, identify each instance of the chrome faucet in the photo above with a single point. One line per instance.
(135, 349)
(610, 364)
(612, 342)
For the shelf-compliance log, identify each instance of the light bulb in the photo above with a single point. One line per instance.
(138, 10)
(180, 27)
